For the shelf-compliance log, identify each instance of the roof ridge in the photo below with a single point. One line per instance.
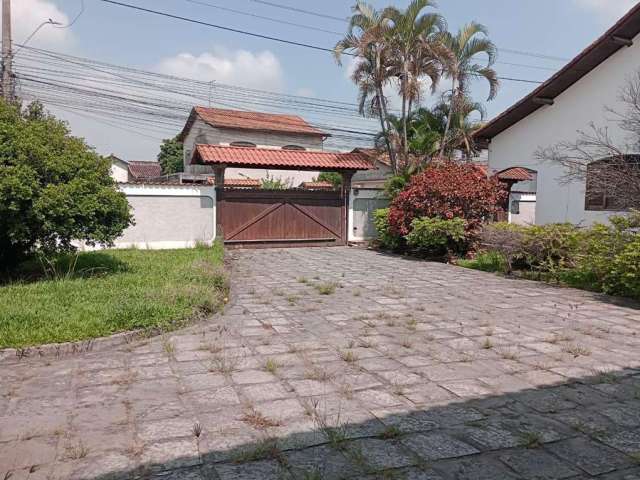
(566, 70)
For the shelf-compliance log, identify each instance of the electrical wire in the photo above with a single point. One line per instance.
(262, 17)
(299, 10)
(258, 35)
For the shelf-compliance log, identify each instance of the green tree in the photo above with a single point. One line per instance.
(334, 178)
(415, 51)
(462, 126)
(461, 65)
(271, 182)
(171, 156)
(425, 128)
(366, 38)
(53, 188)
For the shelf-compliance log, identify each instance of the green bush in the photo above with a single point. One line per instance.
(490, 261)
(550, 248)
(436, 236)
(603, 257)
(542, 248)
(54, 189)
(623, 277)
(386, 238)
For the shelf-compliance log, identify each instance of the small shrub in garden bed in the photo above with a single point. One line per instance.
(386, 238)
(435, 236)
(490, 261)
(603, 257)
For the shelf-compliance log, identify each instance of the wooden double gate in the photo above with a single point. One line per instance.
(283, 218)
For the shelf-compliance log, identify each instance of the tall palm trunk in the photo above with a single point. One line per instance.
(405, 140)
(384, 124)
(449, 117)
(382, 113)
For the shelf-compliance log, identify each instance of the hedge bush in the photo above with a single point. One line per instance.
(603, 257)
(435, 236)
(386, 238)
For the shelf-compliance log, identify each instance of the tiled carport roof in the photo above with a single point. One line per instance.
(253, 157)
(518, 174)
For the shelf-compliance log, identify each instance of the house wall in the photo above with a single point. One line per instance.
(382, 172)
(201, 132)
(362, 204)
(120, 172)
(169, 216)
(526, 214)
(573, 110)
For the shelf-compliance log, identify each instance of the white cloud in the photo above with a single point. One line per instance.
(608, 9)
(29, 14)
(239, 67)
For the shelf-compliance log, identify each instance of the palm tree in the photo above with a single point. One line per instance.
(461, 66)
(366, 39)
(414, 54)
(424, 132)
(461, 126)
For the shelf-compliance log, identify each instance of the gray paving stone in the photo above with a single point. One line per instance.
(474, 468)
(437, 446)
(133, 403)
(538, 464)
(171, 454)
(325, 462)
(591, 457)
(379, 454)
(627, 441)
(265, 392)
(265, 469)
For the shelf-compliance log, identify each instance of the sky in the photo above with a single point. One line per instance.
(109, 33)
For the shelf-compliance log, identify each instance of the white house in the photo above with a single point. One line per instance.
(119, 169)
(554, 112)
(124, 171)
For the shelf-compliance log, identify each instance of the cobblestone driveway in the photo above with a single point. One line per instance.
(406, 370)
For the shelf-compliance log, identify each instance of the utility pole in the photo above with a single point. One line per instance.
(7, 73)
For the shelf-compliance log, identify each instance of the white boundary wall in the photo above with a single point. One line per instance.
(169, 216)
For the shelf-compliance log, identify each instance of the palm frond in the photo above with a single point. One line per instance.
(477, 45)
(492, 77)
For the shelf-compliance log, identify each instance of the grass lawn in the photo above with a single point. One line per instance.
(112, 291)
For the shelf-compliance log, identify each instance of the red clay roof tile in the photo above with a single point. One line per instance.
(285, 159)
(270, 122)
(144, 169)
(516, 173)
(242, 182)
(317, 185)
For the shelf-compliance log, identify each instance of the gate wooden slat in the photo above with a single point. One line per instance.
(253, 220)
(315, 219)
(282, 217)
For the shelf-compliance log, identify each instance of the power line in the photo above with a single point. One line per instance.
(262, 17)
(322, 15)
(258, 35)
(299, 10)
(221, 27)
(333, 32)
(535, 55)
(139, 99)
